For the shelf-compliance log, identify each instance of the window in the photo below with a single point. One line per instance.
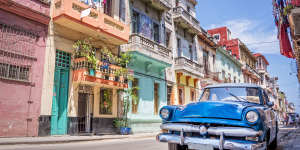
(229, 77)
(156, 32)
(106, 101)
(192, 95)
(169, 90)
(108, 7)
(135, 22)
(168, 35)
(179, 47)
(216, 37)
(180, 96)
(135, 102)
(14, 72)
(156, 98)
(191, 52)
(205, 61)
(214, 61)
(122, 10)
(223, 75)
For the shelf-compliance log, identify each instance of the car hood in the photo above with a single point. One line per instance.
(214, 109)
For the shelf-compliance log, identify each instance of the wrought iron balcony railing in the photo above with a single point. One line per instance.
(104, 73)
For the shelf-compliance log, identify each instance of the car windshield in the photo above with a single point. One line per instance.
(231, 94)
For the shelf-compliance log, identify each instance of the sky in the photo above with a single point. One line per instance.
(253, 23)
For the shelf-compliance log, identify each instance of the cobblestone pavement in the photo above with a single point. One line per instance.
(289, 139)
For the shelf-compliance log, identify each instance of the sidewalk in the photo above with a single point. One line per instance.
(69, 139)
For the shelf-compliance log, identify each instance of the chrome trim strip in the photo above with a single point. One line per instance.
(227, 131)
(227, 144)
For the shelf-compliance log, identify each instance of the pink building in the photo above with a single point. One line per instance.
(23, 35)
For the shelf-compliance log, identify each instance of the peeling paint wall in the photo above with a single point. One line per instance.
(19, 101)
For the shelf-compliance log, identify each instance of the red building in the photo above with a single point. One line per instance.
(239, 50)
(23, 35)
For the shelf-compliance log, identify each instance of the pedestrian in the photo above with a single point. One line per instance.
(286, 118)
(297, 119)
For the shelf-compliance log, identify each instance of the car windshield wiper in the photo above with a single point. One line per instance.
(238, 98)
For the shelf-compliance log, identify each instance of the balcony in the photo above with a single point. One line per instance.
(185, 20)
(251, 71)
(148, 47)
(97, 24)
(163, 5)
(212, 75)
(104, 74)
(186, 65)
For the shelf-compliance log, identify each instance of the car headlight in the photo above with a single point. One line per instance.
(164, 113)
(252, 116)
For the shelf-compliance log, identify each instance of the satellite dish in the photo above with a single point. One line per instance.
(85, 13)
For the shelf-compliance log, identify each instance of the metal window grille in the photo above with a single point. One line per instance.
(17, 52)
(63, 59)
(14, 72)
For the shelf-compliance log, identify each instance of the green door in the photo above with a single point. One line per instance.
(59, 117)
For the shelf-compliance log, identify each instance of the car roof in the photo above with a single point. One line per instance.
(233, 85)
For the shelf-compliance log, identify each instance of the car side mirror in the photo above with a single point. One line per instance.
(270, 104)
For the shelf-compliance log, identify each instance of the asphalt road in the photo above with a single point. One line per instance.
(124, 144)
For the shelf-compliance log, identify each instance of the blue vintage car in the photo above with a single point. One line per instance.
(227, 116)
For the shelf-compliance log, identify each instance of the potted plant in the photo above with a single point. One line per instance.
(122, 122)
(84, 49)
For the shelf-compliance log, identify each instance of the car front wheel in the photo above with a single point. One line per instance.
(273, 145)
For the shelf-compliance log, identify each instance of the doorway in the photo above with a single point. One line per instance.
(156, 98)
(85, 112)
(59, 114)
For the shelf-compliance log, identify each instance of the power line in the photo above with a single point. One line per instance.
(258, 43)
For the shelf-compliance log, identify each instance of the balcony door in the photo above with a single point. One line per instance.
(108, 7)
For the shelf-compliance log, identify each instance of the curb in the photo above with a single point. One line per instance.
(73, 140)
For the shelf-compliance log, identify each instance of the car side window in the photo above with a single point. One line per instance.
(266, 99)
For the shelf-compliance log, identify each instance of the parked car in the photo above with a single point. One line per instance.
(227, 116)
(293, 120)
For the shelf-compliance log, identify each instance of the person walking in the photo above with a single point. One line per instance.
(297, 119)
(286, 119)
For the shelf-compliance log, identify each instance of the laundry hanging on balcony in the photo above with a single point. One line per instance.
(285, 44)
(282, 23)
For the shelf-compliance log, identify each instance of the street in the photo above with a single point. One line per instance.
(127, 144)
(287, 139)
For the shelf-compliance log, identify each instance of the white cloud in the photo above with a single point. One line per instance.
(254, 34)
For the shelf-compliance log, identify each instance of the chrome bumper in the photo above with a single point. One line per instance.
(220, 143)
(216, 143)
(227, 131)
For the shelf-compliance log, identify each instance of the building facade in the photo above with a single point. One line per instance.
(209, 51)
(229, 68)
(187, 54)
(151, 50)
(23, 36)
(78, 98)
(239, 51)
